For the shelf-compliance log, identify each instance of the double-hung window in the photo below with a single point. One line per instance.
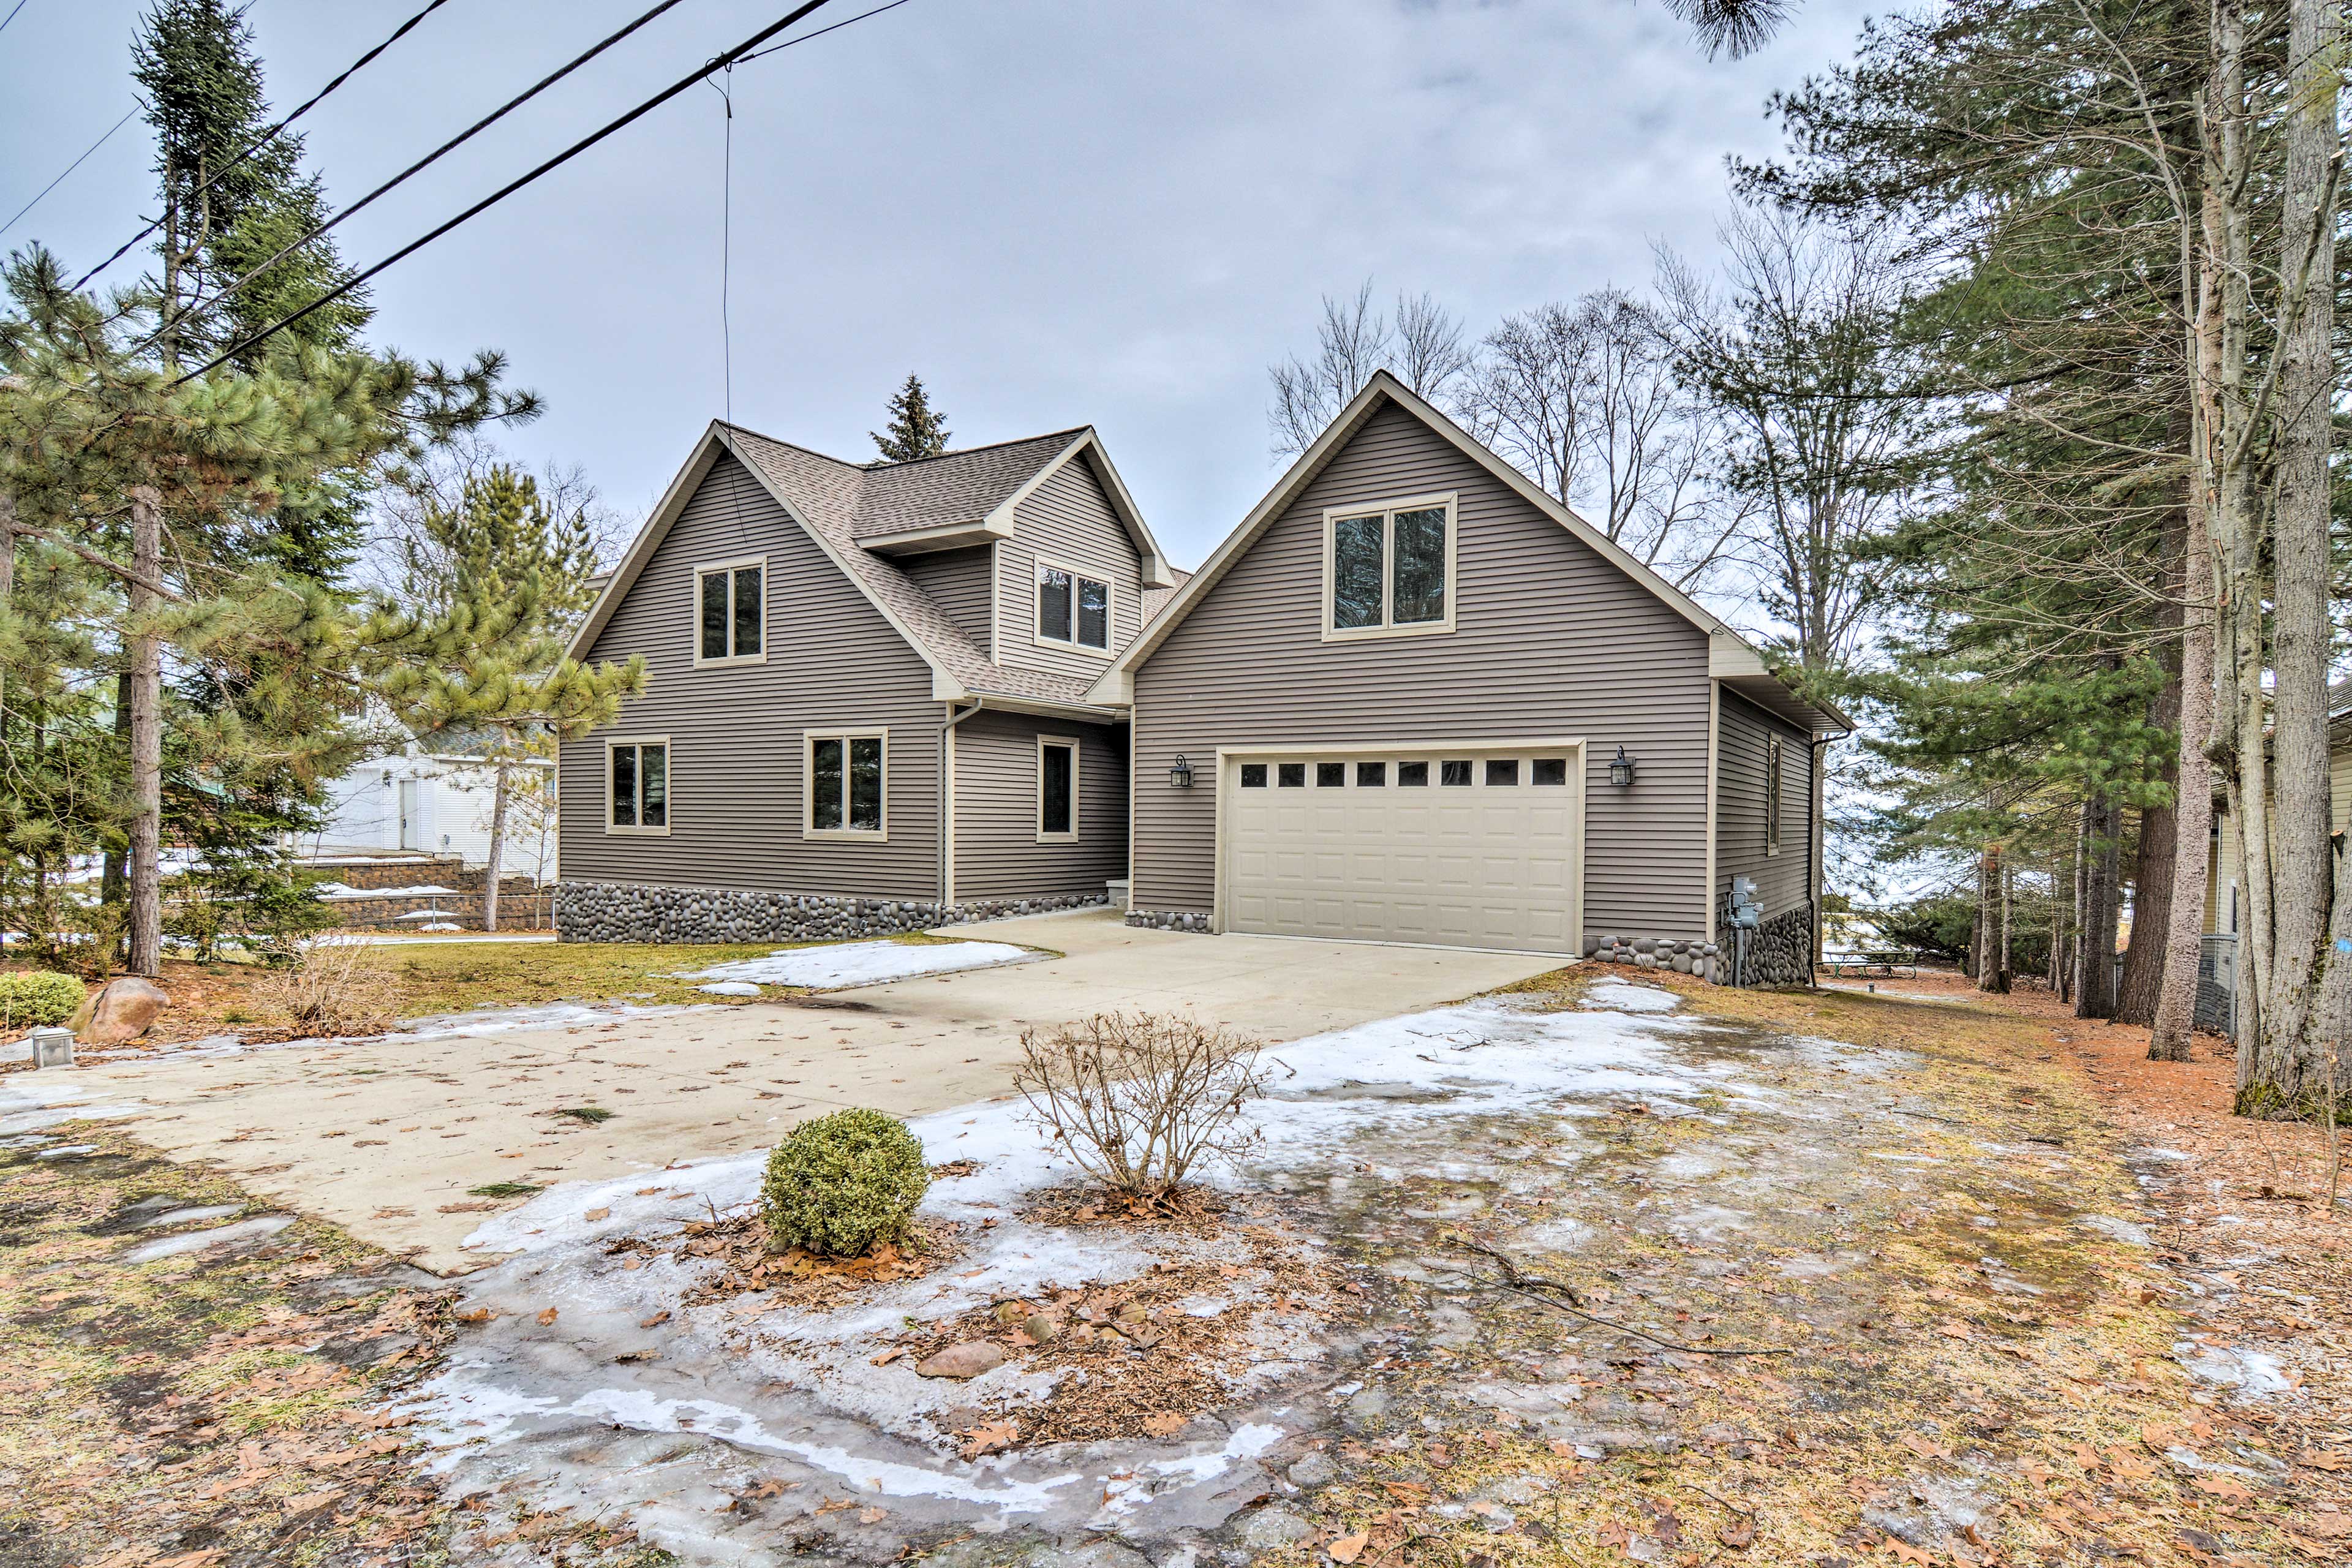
(848, 773)
(1057, 789)
(731, 612)
(1073, 609)
(1388, 571)
(1772, 759)
(636, 787)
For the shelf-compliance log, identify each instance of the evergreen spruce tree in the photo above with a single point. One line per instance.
(916, 428)
(494, 579)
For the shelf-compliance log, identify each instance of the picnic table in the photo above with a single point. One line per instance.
(1886, 960)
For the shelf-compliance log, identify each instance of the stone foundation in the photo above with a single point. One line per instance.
(635, 911)
(1780, 951)
(1704, 958)
(1167, 920)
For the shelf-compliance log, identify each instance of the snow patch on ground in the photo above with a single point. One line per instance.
(2255, 1374)
(850, 963)
(1625, 997)
(730, 988)
(1406, 1094)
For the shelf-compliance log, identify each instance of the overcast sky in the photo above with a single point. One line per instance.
(1057, 214)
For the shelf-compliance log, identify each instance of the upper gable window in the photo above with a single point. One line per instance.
(1388, 571)
(731, 612)
(1072, 608)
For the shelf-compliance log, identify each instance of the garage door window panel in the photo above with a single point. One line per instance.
(1390, 572)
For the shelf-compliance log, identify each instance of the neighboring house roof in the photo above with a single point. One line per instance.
(1730, 656)
(845, 508)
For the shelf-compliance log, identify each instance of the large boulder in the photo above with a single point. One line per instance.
(125, 1009)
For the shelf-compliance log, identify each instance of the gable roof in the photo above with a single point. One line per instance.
(1731, 656)
(840, 505)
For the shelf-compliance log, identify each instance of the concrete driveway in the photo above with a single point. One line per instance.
(386, 1137)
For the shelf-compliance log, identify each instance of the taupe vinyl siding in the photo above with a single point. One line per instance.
(1067, 521)
(1784, 880)
(960, 581)
(735, 732)
(997, 852)
(1552, 641)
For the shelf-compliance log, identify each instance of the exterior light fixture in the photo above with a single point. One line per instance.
(1179, 777)
(1621, 768)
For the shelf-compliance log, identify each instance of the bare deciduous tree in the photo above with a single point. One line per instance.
(1423, 347)
(1584, 400)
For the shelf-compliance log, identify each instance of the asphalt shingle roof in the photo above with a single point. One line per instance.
(833, 497)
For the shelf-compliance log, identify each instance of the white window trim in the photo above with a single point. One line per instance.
(1387, 510)
(1038, 566)
(809, 829)
(669, 786)
(1077, 758)
(694, 612)
(1774, 792)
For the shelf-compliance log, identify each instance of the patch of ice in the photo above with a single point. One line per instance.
(198, 1240)
(1247, 1442)
(62, 1149)
(844, 964)
(2254, 1374)
(1623, 997)
(190, 1216)
(2115, 1230)
(730, 988)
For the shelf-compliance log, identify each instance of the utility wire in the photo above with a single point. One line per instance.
(421, 165)
(820, 32)
(683, 84)
(12, 14)
(726, 244)
(136, 106)
(265, 137)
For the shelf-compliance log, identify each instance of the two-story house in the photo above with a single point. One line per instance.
(1412, 699)
(867, 708)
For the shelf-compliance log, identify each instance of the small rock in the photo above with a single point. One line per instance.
(1316, 1470)
(969, 1359)
(1366, 1408)
(125, 1009)
(1271, 1528)
(1042, 1327)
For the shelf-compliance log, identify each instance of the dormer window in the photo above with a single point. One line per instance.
(1073, 609)
(1388, 570)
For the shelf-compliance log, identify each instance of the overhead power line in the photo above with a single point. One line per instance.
(136, 106)
(475, 128)
(267, 136)
(683, 84)
(10, 15)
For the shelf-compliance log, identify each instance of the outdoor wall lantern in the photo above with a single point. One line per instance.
(1179, 777)
(1621, 768)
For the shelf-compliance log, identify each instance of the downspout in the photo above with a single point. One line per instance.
(947, 801)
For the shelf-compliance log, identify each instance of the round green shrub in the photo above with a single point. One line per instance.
(843, 1185)
(31, 997)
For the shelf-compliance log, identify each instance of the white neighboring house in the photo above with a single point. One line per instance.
(436, 804)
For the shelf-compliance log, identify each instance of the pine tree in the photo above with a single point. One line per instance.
(494, 578)
(916, 428)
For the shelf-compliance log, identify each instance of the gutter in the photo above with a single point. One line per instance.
(947, 796)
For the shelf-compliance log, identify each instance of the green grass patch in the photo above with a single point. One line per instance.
(503, 1189)
(591, 1114)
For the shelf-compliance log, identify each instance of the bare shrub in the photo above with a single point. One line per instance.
(1141, 1099)
(332, 986)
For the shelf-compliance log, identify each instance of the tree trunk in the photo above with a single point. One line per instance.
(146, 673)
(2303, 885)
(2152, 884)
(2175, 1014)
(497, 848)
(2006, 945)
(2094, 983)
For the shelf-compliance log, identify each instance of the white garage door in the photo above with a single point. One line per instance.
(1462, 847)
